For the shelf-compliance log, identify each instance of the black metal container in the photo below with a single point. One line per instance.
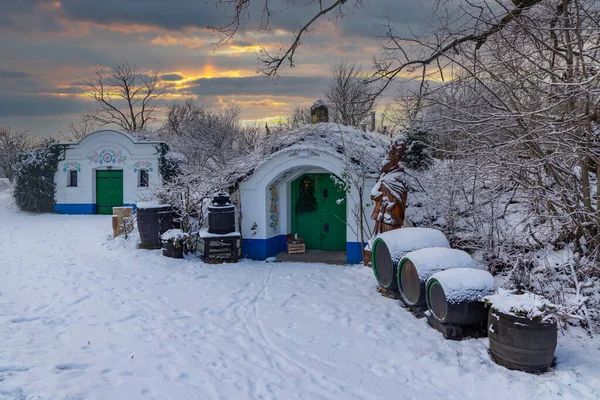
(221, 215)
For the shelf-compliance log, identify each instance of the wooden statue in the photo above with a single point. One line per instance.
(390, 191)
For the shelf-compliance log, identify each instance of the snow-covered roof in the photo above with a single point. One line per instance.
(363, 150)
(138, 139)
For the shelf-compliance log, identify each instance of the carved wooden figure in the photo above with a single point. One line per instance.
(390, 191)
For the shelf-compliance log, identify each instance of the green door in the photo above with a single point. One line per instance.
(109, 191)
(324, 228)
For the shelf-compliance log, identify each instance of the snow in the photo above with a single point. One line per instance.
(149, 204)
(403, 240)
(430, 260)
(173, 234)
(4, 184)
(204, 233)
(83, 316)
(527, 304)
(464, 284)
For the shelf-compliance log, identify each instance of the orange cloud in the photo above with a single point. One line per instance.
(191, 42)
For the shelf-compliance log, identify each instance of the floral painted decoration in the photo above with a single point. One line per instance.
(142, 165)
(274, 208)
(107, 157)
(71, 165)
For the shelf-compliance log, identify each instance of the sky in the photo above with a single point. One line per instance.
(48, 47)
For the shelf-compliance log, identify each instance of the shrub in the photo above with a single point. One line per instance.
(35, 188)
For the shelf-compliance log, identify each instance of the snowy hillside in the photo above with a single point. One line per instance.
(86, 317)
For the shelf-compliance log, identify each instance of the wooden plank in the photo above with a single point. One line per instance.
(296, 248)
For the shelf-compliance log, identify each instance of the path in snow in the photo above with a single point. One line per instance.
(83, 316)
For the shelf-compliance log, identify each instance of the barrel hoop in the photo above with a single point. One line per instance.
(430, 284)
(373, 261)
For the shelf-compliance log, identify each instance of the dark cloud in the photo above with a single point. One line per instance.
(257, 85)
(171, 77)
(172, 15)
(32, 105)
(4, 74)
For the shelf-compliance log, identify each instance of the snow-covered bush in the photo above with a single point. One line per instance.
(35, 188)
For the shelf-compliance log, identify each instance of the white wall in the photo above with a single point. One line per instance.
(81, 156)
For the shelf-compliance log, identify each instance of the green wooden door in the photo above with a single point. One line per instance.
(324, 228)
(109, 191)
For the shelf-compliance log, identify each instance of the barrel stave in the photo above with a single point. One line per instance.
(521, 343)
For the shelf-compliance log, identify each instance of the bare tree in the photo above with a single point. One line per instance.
(126, 97)
(80, 129)
(11, 144)
(206, 138)
(179, 115)
(348, 94)
(273, 60)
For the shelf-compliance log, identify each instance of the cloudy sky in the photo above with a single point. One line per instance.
(48, 46)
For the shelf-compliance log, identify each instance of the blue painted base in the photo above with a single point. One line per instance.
(261, 249)
(354, 252)
(75, 208)
(80, 208)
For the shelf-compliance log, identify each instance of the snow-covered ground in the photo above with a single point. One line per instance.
(86, 317)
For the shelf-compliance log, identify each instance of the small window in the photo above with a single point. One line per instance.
(143, 178)
(72, 178)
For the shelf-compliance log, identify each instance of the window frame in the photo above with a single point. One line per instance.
(70, 178)
(140, 172)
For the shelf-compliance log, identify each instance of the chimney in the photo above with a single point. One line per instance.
(319, 112)
(372, 121)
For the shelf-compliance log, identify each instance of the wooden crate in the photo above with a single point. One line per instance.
(299, 248)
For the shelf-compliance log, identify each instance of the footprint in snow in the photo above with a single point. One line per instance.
(64, 367)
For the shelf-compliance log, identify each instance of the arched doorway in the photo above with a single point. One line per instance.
(318, 211)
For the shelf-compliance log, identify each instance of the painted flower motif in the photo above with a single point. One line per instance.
(142, 164)
(107, 157)
(71, 165)
(274, 208)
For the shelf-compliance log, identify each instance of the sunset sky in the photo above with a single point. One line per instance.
(47, 46)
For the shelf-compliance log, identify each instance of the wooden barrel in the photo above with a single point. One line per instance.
(417, 266)
(389, 247)
(153, 220)
(455, 296)
(521, 343)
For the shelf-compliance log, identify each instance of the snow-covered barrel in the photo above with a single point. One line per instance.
(522, 331)
(417, 266)
(389, 247)
(455, 296)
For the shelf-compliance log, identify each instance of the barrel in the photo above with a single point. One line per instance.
(455, 296)
(521, 343)
(389, 247)
(221, 219)
(153, 220)
(417, 266)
